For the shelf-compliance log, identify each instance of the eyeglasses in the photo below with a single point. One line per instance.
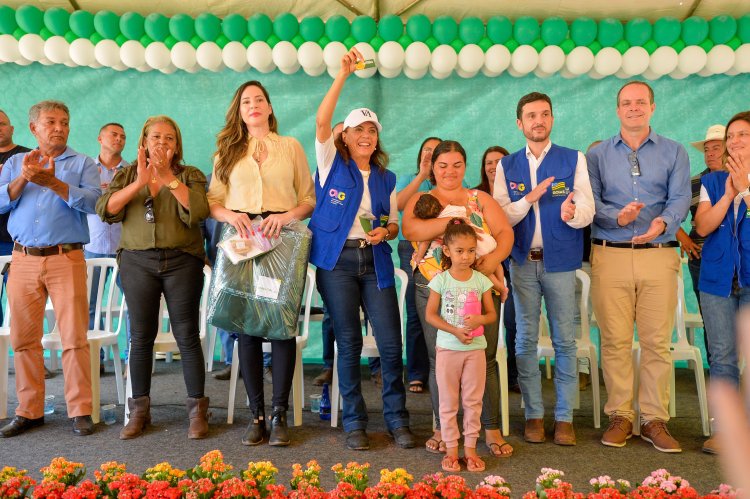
(635, 167)
(149, 215)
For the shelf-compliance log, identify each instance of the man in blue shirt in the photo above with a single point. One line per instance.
(641, 186)
(48, 193)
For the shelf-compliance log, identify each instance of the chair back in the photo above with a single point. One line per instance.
(679, 319)
(106, 292)
(5, 326)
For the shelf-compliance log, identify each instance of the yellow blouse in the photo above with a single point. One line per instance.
(282, 183)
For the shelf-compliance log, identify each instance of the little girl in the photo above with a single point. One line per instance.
(460, 362)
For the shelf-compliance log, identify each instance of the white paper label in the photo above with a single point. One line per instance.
(267, 287)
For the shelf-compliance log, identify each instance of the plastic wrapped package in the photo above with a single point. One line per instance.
(262, 296)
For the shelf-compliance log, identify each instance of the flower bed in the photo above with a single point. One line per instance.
(213, 478)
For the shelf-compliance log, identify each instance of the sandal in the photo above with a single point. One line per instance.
(496, 449)
(416, 387)
(473, 463)
(450, 464)
(437, 447)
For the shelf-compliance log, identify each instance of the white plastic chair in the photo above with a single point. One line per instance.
(298, 386)
(4, 349)
(502, 367)
(369, 347)
(98, 337)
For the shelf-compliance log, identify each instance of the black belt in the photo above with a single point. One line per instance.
(356, 243)
(613, 244)
(47, 250)
(536, 255)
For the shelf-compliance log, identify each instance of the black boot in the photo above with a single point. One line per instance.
(279, 434)
(256, 430)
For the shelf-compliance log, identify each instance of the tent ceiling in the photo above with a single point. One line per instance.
(541, 9)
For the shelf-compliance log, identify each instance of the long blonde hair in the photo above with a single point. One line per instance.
(231, 141)
(176, 165)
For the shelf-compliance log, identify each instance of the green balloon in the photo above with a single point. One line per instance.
(337, 28)
(734, 43)
(485, 44)
(471, 30)
(146, 41)
(57, 20)
(195, 41)
(637, 32)
(419, 28)
(666, 31)
(182, 27)
(526, 30)
(82, 23)
(323, 41)
(170, 42)
(18, 33)
(651, 46)
(445, 29)
(132, 25)
(297, 41)
(678, 46)
(96, 38)
(376, 43)
(706, 44)
(457, 45)
(312, 28)
(157, 27)
(622, 46)
(610, 32)
(107, 24)
(247, 40)
(70, 37)
(221, 40)
(499, 29)
(390, 28)
(538, 44)
(743, 28)
(512, 45)
(8, 22)
(595, 46)
(432, 43)
(30, 18)
(583, 31)
(45, 34)
(364, 28)
(554, 30)
(286, 26)
(208, 26)
(234, 27)
(567, 46)
(722, 29)
(694, 30)
(350, 42)
(405, 41)
(121, 39)
(260, 26)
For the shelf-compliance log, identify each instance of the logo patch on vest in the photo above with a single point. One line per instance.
(516, 188)
(560, 189)
(337, 197)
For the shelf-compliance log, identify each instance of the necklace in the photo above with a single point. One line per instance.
(153, 180)
(260, 148)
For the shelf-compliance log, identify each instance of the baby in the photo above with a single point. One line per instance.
(428, 206)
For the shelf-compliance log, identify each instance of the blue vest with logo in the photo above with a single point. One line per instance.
(726, 251)
(336, 206)
(563, 245)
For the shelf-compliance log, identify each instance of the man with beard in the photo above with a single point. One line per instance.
(545, 192)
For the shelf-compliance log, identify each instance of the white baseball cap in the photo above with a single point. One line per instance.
(362, 115)
(714, 132)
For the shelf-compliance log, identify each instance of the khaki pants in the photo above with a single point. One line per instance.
(63, 278)
(635, 286)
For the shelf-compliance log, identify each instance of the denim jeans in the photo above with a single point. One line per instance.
(92, 300)
(417, 362)
(719, 317)
(352, 283)
(530, 283)
(326, 330)
(227, 339)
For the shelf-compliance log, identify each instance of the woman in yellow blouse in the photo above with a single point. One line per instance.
(258, 172)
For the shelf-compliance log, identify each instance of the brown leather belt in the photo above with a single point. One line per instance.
(536, 255)
(629, 245)
(47, 250)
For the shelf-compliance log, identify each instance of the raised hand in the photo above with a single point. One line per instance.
(33, 169)
(629, 213)
(739, 169)
(349, 61)
(568, 209)
(160, 162)
(142, 168)
(538, 191)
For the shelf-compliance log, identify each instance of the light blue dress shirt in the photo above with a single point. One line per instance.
(39, 217)
(663, 186)
(105, 238)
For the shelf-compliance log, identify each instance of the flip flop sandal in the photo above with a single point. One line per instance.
(496, 449)
(416, 387)
(474, 464)
(439, 446)
(451, 464)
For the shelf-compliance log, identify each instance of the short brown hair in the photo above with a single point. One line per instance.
(532, 97)
(637, 82)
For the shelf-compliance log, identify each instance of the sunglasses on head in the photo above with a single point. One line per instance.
(149, 215)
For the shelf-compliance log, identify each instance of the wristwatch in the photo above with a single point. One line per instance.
(174, 184)
(746, 192)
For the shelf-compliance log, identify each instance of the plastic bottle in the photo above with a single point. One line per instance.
(325, 404)
(472, 306)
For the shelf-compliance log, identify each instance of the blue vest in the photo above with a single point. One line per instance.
(335, 208)
(563, 245)
(726, 251)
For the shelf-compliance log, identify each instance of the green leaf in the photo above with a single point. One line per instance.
(366, 224)
(476, 220)
(437, 253)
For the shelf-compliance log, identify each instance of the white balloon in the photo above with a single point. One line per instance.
(168, 69)
(195, 69)
(541, 74)
(663, 61)
(82, 51)
(635, 61)
(691, 60)
(145, 68)
(567, 74)
(515, 74)
(183, 56)
(45, 62)
(720, 59)
(22, 61)
(310, 55)
(466, 74)
(391, 56)
(496, 59)
(290, 70)
(444, 60)
(158, 56)
(524, 59)
(705, 72)
(57, 49)
(417, 57)
(332, 54)
(284, 56)
(551, 59)
(71, 64)
(259, 56)
(742, 58)
(414, 74)
(389, 73)
(649, 74)
(488, 73)
(607, 61)
(31, 47)
(470, 58)
(317, 71)
(595, 75)
(95, 65)
(580, 60)
(107, 53)
(677, 74)
(208, 55)
(368, 53)
(332, 72)
(234, 56)
(120, 66)
(621, 74)
(133, 54)
(731, 72)
(9, 48)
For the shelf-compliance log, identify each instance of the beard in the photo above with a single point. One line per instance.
(537, 136)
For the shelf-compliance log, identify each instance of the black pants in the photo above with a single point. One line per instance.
(283, 357)
(146, 275)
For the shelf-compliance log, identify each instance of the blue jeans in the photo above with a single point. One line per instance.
(417, 361)
(226, 338)
(92, 300)
(326, 330)
(530, 283)
(719, 318)
(352, 283)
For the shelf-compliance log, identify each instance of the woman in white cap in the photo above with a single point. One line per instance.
(355, 215)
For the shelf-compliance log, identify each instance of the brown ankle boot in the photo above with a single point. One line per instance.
(198, 414)
(140, 417)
